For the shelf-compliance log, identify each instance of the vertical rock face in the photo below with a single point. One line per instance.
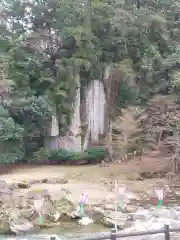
(95, 111)
(72, 140)
(52, 140)
(75, 127)
(107, 122)
(95, 119)
(54, 127)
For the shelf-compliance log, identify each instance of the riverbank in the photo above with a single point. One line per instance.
(99, 182)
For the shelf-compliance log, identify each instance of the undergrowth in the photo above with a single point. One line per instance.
(62, 156)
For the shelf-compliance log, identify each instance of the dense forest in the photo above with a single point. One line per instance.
(55, 56)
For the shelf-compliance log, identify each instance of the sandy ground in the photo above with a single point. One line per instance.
(99, 182)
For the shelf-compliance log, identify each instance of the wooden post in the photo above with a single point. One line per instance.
(166, 231)
(159, 139)
(113, 234)
(115, 205)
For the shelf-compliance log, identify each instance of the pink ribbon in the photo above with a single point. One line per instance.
(83, 197)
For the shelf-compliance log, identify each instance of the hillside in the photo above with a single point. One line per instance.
(81, 81)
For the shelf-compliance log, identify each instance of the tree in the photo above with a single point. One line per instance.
(126, 132)
(48, 42)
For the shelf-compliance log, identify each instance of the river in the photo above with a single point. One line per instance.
(144, 219)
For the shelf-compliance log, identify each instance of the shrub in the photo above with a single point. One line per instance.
(94, 155)
(77, 156)
(60, 155)
(40, 156)
(35, 115)
(63, 156)
(11, 139)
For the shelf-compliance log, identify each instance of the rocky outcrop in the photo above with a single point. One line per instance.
(18, 213)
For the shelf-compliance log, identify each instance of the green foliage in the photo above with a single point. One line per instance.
(48, 42)
(36, 112)
(40, 156)
(62, 156)
(35, 115)
(126, 96)
(3, 112)
(10, 130)
(11, 139)
(12, 151)
(95, 154)
(78, 37)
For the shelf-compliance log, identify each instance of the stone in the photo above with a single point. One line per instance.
(58, 210)
(27, 213)
(95, 213)
(75, 214)
(22, 203)
(38, 194)
(23, 185)
(5, 192)
(13, 186)
(18, 224)
(142, 214)
(50, 212)
(109, 207)
(177, 193)
(55, 180)
(25, 218)
(130, 208)
(65, 191)
(163, 213)
(4, 220)
(131, 196)
(4, 188)
(45, 223)
(64, 205)
(135, 177)
(121, 219)
(108, 222)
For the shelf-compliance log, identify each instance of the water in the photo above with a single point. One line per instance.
(65, 230)
(71, 227)
(145, 218)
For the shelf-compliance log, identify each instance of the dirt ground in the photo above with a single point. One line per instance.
(98, 180)
(89, 175)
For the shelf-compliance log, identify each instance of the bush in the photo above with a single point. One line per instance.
(60, 155)
(94, 155)
(11, 139)
(35, 115)
(40, 156)
(63, 156)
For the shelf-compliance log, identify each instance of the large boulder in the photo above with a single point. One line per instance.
(52, 211)
(122, 220)
(18, 224)
(4, 219)
(55, 180)
(12, 222)
(18, 213)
